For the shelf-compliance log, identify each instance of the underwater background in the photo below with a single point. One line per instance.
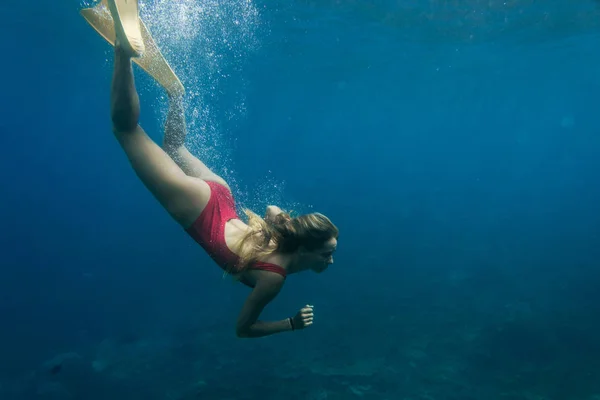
(455, 145)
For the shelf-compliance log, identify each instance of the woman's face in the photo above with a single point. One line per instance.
(319, 259)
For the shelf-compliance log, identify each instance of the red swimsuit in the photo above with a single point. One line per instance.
(209, 231)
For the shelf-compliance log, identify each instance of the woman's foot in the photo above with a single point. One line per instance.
(127, 26)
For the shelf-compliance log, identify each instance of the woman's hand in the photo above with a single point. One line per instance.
(304, 317)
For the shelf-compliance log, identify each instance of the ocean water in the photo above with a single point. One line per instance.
(455, 144)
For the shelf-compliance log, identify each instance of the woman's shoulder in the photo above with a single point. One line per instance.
(263, 279)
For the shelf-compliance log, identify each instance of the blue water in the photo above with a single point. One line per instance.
(455, 144)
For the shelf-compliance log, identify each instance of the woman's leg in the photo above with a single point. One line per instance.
(183, 196)
(174, 144)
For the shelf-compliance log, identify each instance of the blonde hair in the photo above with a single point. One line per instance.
(284, 234)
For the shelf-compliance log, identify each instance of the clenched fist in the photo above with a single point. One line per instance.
(304, 317)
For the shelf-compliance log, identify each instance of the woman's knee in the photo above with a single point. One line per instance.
(124, 120)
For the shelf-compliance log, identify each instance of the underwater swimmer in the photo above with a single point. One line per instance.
(260, 253)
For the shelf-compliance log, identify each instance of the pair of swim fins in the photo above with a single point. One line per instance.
(118, 20)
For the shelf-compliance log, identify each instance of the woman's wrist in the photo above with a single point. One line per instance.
(291, 322)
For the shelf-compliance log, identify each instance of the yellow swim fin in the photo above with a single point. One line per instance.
(151, 61)
(126, 22)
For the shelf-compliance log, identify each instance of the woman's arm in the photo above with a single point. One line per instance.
(248, 325)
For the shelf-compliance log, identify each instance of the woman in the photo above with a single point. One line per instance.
(261, 253)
